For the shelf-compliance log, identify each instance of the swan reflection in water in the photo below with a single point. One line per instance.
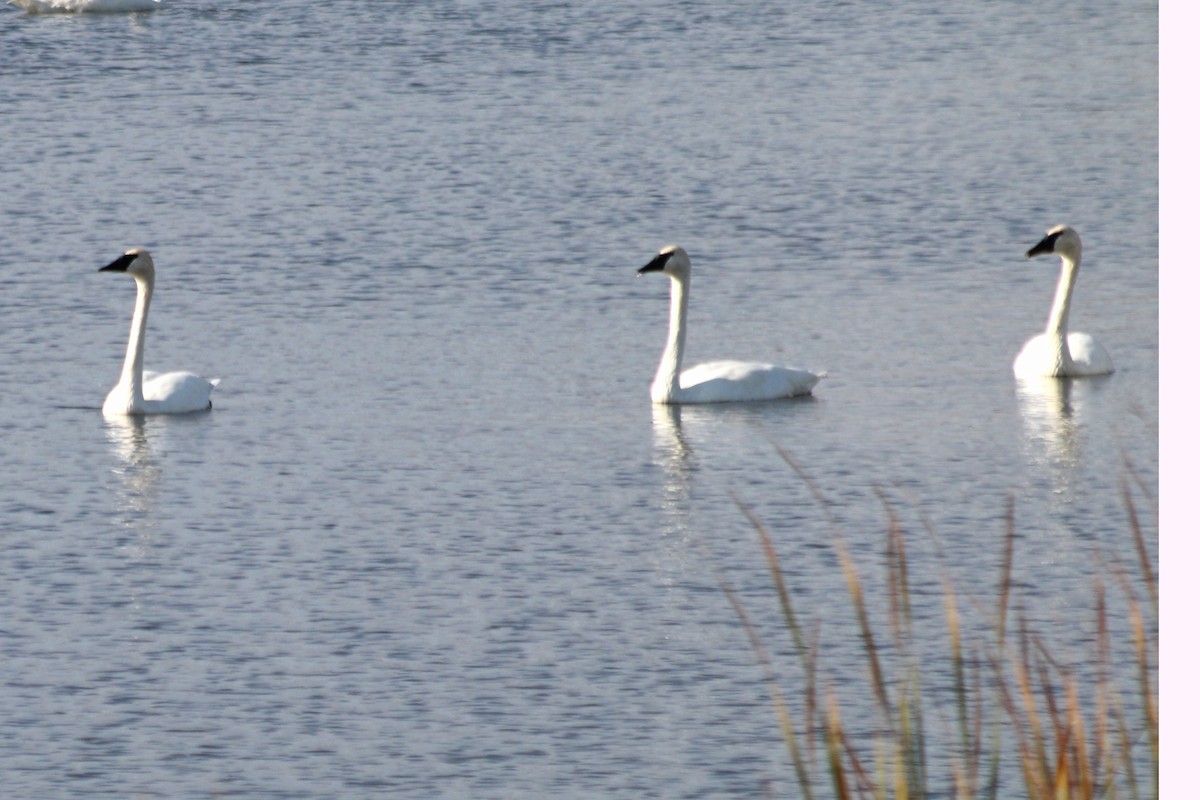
(85, 6)
(1053, 416)
(140, 476)
(680, 429)
(675, 559)
(674, 456)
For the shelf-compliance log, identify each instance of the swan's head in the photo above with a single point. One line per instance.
(1060, 240)
(135, 262)
(672, 260)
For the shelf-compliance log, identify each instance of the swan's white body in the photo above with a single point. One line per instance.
(716, 381)
(84, 6)
(144, 392)
(1057, 353)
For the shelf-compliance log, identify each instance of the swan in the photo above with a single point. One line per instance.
(139, 392)
(716, 381)
(81, 6)
(1055, 353)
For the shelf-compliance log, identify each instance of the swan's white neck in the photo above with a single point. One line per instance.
(1056, 326)
(131, 370)
(666, 381)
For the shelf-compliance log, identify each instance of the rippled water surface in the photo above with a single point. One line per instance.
(433, 540)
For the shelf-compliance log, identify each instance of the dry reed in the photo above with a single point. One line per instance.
(1017, 709)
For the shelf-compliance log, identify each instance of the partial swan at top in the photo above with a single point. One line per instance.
(84, 6)
(139, 392)
(717, 381)
(1055, 353)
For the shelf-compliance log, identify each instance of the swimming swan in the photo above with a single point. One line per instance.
(1055, 353)
(139, 392)
(717, 381)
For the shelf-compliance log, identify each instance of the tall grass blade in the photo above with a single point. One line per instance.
(781, 591)
(1139, 541)
(777, 697)
(1010, 538)
(833, 745)
(1069, 734)
(850, 575)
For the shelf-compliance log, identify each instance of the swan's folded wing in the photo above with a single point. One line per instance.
(1089, 355)
(732, 381)
(176, 392)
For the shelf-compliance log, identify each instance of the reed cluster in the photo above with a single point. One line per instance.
(1022, 722)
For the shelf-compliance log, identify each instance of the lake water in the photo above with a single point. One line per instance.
(433, 540)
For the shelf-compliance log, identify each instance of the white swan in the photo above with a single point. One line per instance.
(84, 6)
(1055, 353)
(139, 392)
(717, 381)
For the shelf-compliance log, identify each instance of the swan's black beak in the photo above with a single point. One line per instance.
(1046, 245)
(121, 264)
(657, 264)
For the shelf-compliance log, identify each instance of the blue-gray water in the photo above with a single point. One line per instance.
(432, 540)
